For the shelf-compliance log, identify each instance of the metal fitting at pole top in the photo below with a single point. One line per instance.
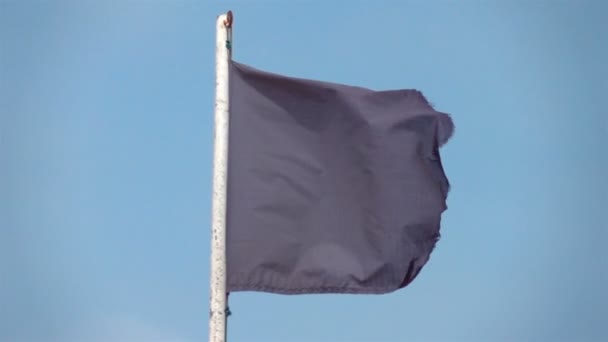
(228, 20)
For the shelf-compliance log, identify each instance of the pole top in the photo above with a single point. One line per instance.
(228, 20)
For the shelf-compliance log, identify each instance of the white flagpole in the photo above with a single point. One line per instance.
(218, 295)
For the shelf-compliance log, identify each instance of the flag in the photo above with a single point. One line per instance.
(332, 188)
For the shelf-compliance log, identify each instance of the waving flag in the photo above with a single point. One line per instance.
(331, 188)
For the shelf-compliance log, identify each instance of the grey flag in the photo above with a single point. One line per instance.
(331, 188)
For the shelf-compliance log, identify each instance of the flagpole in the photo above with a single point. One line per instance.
(218, 293)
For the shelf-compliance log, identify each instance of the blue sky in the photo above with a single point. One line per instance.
(106, 114)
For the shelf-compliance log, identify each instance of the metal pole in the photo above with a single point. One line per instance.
(218, 295)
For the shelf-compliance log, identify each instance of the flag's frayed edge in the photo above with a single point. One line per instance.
(446, 128)
(446, 125)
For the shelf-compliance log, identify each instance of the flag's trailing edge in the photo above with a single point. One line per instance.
(331, 188)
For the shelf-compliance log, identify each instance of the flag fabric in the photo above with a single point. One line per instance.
(331, 188)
